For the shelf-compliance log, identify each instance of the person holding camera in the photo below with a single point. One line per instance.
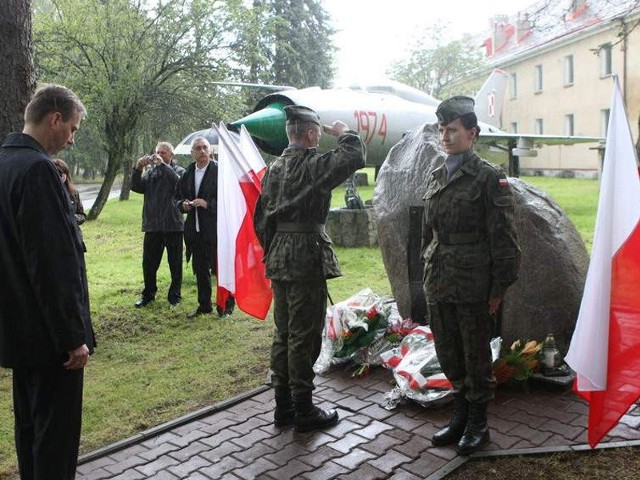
(156, 177)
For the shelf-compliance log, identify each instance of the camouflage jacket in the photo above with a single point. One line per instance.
(469, 245)
(296, 191)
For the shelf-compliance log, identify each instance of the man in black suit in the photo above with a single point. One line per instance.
(198, 191)
(46, 335)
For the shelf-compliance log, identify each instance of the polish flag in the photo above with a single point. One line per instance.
(605, 348)
(240, 267)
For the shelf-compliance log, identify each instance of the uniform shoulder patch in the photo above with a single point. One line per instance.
(503, 183)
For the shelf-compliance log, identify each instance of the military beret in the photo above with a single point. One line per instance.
(298, 113)
(453, 108)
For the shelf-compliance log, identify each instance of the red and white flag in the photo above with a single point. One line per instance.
(240, 267)
(605, 348)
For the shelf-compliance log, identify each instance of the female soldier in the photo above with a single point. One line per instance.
(471, 257)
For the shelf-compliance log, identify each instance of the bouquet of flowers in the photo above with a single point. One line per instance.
(416, 371)
(354, 331)
(362, 331)
(518, 363)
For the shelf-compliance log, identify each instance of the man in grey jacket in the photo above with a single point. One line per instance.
(156, 176)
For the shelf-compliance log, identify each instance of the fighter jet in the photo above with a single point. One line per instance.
(383, 113)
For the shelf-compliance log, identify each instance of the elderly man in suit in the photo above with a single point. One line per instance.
(198, 192)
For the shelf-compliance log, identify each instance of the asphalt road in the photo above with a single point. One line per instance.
(89, 192)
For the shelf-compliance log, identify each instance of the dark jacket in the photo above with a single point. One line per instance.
(77, 206)
(158, 184)
(297, 190)
(469, 243)
(44, 298)
(207, 217)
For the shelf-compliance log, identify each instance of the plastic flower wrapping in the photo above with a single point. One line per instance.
(358, 330)
(417, 372)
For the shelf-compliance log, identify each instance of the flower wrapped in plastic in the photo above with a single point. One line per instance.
(351, 327)
(416, 371)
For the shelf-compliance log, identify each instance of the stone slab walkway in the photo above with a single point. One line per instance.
(237, 440)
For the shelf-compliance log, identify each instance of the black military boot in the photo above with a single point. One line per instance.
(452, 433)
(308, 417)
(284, 414)
(476, 433)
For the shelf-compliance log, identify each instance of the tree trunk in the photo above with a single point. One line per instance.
(125, 190)
(113, 165)
(18, 80)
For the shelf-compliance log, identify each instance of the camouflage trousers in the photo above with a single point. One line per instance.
(299, 314)
(462, 334)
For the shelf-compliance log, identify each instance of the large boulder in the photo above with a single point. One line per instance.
(545, 298)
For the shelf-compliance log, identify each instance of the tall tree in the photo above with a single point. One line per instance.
(18, 81)
(126, 58)
(433, 65)
(287, 42)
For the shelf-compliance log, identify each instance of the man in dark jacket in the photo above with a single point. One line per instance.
(198, 193)
(289, 221)
(156, 176)
(46, 335)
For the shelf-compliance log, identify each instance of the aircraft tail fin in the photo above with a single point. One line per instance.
(490, 98)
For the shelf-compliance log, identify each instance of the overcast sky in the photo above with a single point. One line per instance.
(374, 33)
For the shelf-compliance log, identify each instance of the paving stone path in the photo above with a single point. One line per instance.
(237, 440)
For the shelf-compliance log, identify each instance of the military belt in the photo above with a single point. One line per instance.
(293, 227)
(457, 238)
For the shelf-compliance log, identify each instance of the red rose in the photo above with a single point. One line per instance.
(372, 313)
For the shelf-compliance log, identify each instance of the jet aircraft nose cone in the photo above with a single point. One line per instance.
(267, 126)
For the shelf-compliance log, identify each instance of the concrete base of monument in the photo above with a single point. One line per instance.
(352, 228)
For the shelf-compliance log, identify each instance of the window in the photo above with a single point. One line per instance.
(514, 127)
(604, 120)
(538, 79)
(568, 70)
(539, 128)
(513, 86)
(568, 124)
(606, 60)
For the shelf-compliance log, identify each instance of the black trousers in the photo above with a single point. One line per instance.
(154, 245)
(204, 265)
(48, 412)
(299, 314)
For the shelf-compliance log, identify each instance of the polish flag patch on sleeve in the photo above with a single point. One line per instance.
(503, 183)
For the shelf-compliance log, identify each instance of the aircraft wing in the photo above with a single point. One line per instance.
(534, 139)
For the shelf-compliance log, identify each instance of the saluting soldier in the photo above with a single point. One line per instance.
(289, 221)
(471, 256)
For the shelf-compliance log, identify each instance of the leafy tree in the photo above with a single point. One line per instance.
(433, 65)
(18, 80)
(134, 63)
(287, 42)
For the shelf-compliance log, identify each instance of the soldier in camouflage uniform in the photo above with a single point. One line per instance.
(471, 256)
(289, 221)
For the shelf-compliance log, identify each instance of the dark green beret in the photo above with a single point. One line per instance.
(298, 113)
(453, 108)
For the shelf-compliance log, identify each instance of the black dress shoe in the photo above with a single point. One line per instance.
(199, 311)
(144, 301)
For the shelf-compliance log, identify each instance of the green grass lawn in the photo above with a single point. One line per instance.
(154, 364)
